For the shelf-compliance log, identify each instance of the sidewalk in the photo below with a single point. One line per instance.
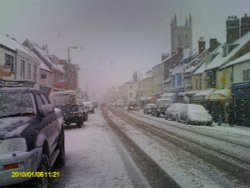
(235, 128)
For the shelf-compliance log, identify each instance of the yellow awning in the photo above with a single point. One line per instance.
(221, 94)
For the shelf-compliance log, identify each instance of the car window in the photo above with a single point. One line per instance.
(45, 99)
(39, 101)
(12, 103)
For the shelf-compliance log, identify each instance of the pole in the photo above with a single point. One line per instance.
(69, 82)
(69, 55)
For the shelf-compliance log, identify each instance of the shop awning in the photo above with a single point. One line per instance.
(146, 98)
(241, 90)
(191, 93)
(202, 95)
(221, 94)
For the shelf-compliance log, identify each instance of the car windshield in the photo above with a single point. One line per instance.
(12, 103)
(65, 99)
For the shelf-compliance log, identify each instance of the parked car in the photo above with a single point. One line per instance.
(148, 108)
(73, 111)
(173, 111)
(89, 107)
(195, 114)
(84, 111)
(133, 106)
(161, 106)
(31, 136)
(119, 103)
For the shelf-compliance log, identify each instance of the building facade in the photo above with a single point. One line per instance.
(17, 63)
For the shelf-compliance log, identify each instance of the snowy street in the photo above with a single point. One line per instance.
(128, 154)
(93, 158)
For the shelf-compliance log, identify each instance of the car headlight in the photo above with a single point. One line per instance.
(13, 144)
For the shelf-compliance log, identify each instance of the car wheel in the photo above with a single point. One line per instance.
(44, 167)
(79, 124)
(60, 161)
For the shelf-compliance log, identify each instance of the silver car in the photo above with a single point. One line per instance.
(195, 114)
(173, 111)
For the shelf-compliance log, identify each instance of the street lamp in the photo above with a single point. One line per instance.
(70, 47)
(69, 81)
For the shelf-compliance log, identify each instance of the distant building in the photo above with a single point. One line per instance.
(181, 35)
(72, 74)
(128, 92)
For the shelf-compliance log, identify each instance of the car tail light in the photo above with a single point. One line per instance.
(11, 166)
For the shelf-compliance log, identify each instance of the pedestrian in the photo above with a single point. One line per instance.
(230, 112)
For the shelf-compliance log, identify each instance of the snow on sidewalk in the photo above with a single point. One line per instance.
(91, 158)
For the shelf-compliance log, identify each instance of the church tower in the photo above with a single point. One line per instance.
(181, 35)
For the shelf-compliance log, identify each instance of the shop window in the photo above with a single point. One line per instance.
(35, 73)
(29, 71)
(22, 73)
(179, 80)
(246, 75)
(9, 61)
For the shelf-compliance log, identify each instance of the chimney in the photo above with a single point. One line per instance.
(201, 45)
(213, 44)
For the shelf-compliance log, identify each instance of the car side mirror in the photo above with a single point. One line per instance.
(47, 109)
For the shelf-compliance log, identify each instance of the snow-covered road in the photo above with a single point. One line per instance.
(95, 159)
(182, 156)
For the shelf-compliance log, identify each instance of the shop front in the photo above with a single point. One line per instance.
(241, 100)
(219, 102)
(201, 97)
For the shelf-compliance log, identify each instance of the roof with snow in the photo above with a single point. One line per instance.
(178, 69)
(43, 54)
(245, 57)
(201, 69)
(169, 57)
(186, 53)
(219, 60)
(12, 43)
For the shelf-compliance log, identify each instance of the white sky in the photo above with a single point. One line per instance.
(115, 37)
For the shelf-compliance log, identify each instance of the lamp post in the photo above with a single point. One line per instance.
(70, 47)
(69, 81)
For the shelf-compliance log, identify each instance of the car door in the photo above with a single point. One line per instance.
(55, 128)
(46, 127)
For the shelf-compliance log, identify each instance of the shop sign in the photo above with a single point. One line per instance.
(5, 71)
